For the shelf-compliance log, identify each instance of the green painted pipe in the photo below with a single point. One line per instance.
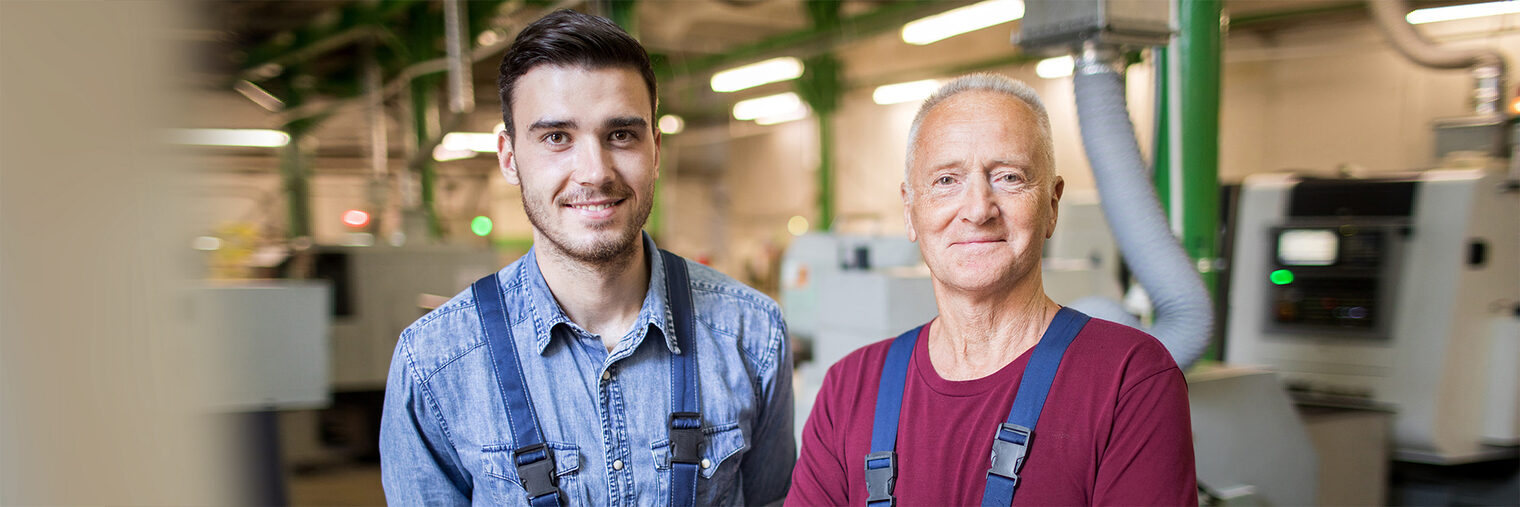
(1161, 139)
(1199, 50)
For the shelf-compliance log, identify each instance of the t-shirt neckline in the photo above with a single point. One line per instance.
(1009, 375)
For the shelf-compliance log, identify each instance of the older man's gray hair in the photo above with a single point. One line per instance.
(996, 83)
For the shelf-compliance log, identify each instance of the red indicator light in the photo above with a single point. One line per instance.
(355, 218)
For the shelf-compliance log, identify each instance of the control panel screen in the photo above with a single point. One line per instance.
(1307, 247)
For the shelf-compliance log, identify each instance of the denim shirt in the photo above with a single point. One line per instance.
(444, 438)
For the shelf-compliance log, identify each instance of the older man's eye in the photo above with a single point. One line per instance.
(944, 180)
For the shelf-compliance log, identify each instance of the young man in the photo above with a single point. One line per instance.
(596, 369)
(946, 414)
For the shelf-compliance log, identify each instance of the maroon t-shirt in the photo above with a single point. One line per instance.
(1114, 429)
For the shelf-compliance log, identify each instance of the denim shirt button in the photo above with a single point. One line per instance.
(706, 463)
(606, 374)
(617, 464)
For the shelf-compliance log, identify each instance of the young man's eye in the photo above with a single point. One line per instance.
(556, 138)
(621, 136)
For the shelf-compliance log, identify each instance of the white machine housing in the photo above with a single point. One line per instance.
(1432, 336)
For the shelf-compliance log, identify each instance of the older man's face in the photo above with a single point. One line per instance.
(978, 199)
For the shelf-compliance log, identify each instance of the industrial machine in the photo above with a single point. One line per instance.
(1400, 291)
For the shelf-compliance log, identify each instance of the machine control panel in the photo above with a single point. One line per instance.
(1334, 277)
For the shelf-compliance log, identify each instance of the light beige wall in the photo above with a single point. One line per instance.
(1322, 97)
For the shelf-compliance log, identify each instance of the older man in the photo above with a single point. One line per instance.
(1006, 396)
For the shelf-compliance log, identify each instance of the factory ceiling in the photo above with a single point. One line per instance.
(311, 54)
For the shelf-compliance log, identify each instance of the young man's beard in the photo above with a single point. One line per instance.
(602, 251)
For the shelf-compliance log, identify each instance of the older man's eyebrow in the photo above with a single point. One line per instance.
(626, 121)
(551, 124)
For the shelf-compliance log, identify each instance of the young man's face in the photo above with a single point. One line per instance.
(586, 156)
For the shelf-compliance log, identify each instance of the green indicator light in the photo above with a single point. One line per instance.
(481, 226)
(1282, 277)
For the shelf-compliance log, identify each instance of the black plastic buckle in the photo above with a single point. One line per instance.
(1008, 457)
(881, 480)
(537, 475)
(686, 437)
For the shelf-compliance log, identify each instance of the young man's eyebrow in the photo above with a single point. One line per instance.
(552, 125)
(627, 121)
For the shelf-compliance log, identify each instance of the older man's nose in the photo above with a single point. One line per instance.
(593, 166)
(979, 205)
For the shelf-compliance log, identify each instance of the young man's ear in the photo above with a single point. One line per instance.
(506, 159)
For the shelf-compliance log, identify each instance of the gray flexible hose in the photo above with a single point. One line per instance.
(1488, 64)
(1184, 315)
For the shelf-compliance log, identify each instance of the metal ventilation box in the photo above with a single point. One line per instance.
(1057, 26)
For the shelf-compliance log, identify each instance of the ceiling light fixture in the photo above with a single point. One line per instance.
(1051, 68)
(1468, 11)
(771, 109)
(912, 91)
(257, 138)
(672, 124)
(958, 21)
(756, 74)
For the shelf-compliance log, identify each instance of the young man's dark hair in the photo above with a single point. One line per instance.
(569, 38)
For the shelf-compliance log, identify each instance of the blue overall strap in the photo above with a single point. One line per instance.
(881, 463)
(685, 415)
(535, 463)
(1012, 441)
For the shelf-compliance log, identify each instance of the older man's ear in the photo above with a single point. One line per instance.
(907, 215)
(1055, 205)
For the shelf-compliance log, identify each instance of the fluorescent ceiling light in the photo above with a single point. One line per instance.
(769, 106)
(958, 21)
(479, 142)
(259, 96)
(1455, 12)
(258, 138)
(756, 74)
(783, 117)
(672, 124)
(462, 145)
(911, 91)
(1051, 68)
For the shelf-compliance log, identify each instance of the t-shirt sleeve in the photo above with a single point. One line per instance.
(1149, 456)
(819, 478)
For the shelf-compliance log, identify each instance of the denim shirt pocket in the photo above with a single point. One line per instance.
(722, 449)
(502, 484)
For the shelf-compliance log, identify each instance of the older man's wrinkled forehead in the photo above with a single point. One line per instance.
(984, 111)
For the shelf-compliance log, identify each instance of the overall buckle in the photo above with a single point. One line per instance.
(1009, 450)
(686, 438)
(881, 477)
(535, 468)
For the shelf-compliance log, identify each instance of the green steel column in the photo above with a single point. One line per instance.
(425, 31)
(826, 171)
(1199, 48)
(424, 104)
(296, 176)
(1198, 59)
(1161, 139)
(820, 87)
(295, 171)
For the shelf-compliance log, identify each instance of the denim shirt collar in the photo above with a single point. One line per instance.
(654, 314)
